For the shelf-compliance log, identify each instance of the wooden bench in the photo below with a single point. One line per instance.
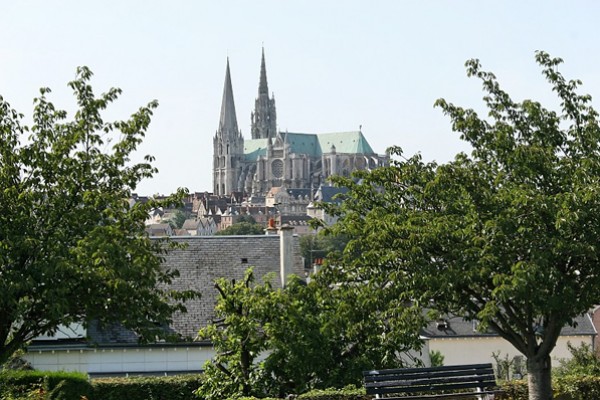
(475, 381)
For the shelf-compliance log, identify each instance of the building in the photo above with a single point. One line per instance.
(114, 350)
(272, 158)
(461, 342)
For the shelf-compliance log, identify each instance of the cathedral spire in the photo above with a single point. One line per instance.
(228, 145)
(262, 87)
(228, 121)
(264, 116)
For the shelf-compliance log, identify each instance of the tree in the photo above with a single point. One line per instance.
(238, 337)
(178, 219)
(322, 336)
(315, 337)
(242, 228)
(71, 247)
(507, 235)
(319, 246)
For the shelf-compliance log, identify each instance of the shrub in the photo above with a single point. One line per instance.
(583, 362)
(582, 387)
(515, 390)
(347, 393)
(44, 385)
(179, 387)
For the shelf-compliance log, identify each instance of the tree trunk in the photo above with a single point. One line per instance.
(539, 378)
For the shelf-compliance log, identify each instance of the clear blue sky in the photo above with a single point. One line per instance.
(333, 65)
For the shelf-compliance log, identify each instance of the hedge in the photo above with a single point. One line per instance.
(33, 385)
(181, 387)
(46, 385)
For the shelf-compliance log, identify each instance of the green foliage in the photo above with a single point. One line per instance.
(577, 387)
(436, 357)
(180, 387)
(44, 385)
(242, 228)
(349, 392)
(583, 361)
(71, 247)
(238, 337)
(320, 246)
(247, 218)
(514, 390)
(178, 219)
(315, 336)
(321, 337)
(504, 235)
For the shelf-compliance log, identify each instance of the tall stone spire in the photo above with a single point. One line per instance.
(228, 121)
(264, 116)
(228, 145)
(262, 86)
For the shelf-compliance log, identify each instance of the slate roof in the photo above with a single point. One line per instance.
(295, 220)
(457, 327)
(190, 224)
(326, 194)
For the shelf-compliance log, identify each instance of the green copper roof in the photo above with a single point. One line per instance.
(302, 143)
(254, 148)
(345, 142)
(312, 144)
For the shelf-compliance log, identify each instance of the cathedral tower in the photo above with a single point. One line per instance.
(228, 151)
(264, 117)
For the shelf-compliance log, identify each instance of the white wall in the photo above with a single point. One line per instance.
(121, 360)
(475, 350)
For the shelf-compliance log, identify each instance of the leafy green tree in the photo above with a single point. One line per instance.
(507, 235)
(242, 228)
(584, 361)
(313, 336)
(320, 336)
(247, 218)
(319, 246)
(178, 219)
(71, 247)
(437, 358)
(238, 336)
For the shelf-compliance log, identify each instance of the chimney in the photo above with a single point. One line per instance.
(286, 252)
(271, 228)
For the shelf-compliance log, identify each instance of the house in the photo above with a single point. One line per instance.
(157, 230)
(460, 341)
(300, 223)
(325, 194)
(114, 350)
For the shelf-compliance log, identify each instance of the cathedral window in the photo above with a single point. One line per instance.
(277, 168)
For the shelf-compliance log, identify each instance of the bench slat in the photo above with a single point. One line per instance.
(417, 382)
(447, 396)
(414, 376)
(430, 369)
(404, 386)
(417, 389)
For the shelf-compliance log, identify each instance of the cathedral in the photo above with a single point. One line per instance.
(272, 159)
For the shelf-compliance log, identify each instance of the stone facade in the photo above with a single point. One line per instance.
(275, 159)
(204, 259)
